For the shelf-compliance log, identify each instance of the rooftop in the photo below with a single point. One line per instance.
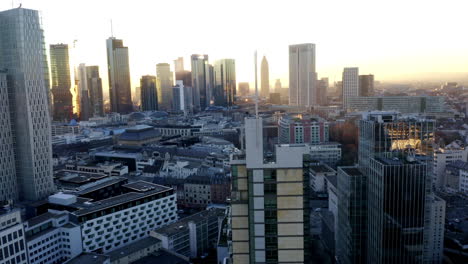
(162, 257)
(78, 177)
(182, 224)
(88, 258)
(352, 171)
(133, 247)
(43, 218)
(321, 168)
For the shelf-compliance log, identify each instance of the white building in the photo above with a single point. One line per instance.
(302, 75)
(318, 174)
(350, 84)
(435, 254)
(444, 156)
(12, 238)
(52, 238)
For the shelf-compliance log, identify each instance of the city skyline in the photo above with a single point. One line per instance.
(374, 53)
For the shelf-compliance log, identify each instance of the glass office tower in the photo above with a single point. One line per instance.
(61, 82)
(224, 91)
(119, 76)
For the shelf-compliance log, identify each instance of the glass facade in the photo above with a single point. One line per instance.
(149, 98)
(119, 76)
(225, 82)
(201, 82)
(164, 85)
(61, 82)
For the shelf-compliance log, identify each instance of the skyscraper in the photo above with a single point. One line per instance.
(302, 75)
(119, 76)
(184, 76)
(25, 67)
(96, 99)
(350, 84)
(366, 85)
(201, 82)
(264, 78)
(244, 88)
(61, 82)
(164, 86)
(149, 98)
(269, 202)
(179, 64)
(322, 91)
(83, 91)
(224, 91)
(278, 86)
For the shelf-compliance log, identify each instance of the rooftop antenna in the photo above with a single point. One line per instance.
(112, 29)
(256, 87)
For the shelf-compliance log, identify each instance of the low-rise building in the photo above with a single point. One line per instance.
(318, 174)
(445, 156)
(135, 251)
(302, 129)
(139, 135)
(12, 237)
(194, 235)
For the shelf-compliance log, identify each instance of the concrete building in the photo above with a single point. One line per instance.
(318, 174)
(174, 130)
(201, 82)
(322, 91)
(269, 217)
(264, 78)
(444, 156)
(224, 90)
(275, 98)
(24, 63)
(139, 135)
(61, 82)
(243, 89)
(135, 251)
(434, 251)
(302, 75)
(63, 129)
(302, 129)
(193, 235)
(402, 104)
(278, 86)
(456, 175)
(119, 76)
(350, 84)
(328, 153)
(13, 243)
(366, 85)
(149, 97)
(164, 86)
(52, 238)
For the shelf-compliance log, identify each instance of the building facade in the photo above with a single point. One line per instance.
(322, 90)
(84, 104)
(13, 243)
(28, 86)
(302, 130)
(244, 88)
(164, 86)
(443, 157)
(149, 97)
(96, 99)
(302, 75)
(61, 82)
(201, 82)
(403, 104)
(119, 76)
(224, 91)
(366, 85)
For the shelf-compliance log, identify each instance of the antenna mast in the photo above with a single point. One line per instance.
(256, 87)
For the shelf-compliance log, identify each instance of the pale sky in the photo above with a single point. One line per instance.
(385, 38)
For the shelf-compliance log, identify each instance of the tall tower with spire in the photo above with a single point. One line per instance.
(265, 78)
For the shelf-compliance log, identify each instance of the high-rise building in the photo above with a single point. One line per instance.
(185, 76)
(119, 76)
(350, 84)
(322, 90)
(164, 86)
(278, 86)
(25, 67)
(61, 82)
(224, 91)
(269, 203)
(366, 85)
(149, 98)
(244, 88)
(264, 78)
(179, 64)
(96, 99)
(83, 93)
(302, 75)
(178, 102)
(201, 82)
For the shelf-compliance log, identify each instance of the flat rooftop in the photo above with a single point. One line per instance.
(321, 168)
(78, 177)
(133, 247)
(88, 258)
(353, 171)
(182, 224)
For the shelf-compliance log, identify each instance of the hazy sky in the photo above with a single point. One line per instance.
(386, 38)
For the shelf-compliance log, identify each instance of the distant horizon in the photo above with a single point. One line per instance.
(402, 50)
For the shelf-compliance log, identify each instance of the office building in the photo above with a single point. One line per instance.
(52, 238)
(119, 76)
(435, 248)
(244, 88)
(149, 97)
(25, 67)
(224, 91)
(96, 99)
(402, 104)
(264, 78)
(366, 85)
(278, 86)
(83, 93)
(61, 82)
(275, 98)
(444, 156)
(302, 129)
(185, 76)
(201, 82)
(302, 75)
(193, 235)
(317, 175)
(269, 203)
(456, 176)
(179, 93)
(164, 85)
(13, 243)
(322, 91)
(350, 84)
(179, 64)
